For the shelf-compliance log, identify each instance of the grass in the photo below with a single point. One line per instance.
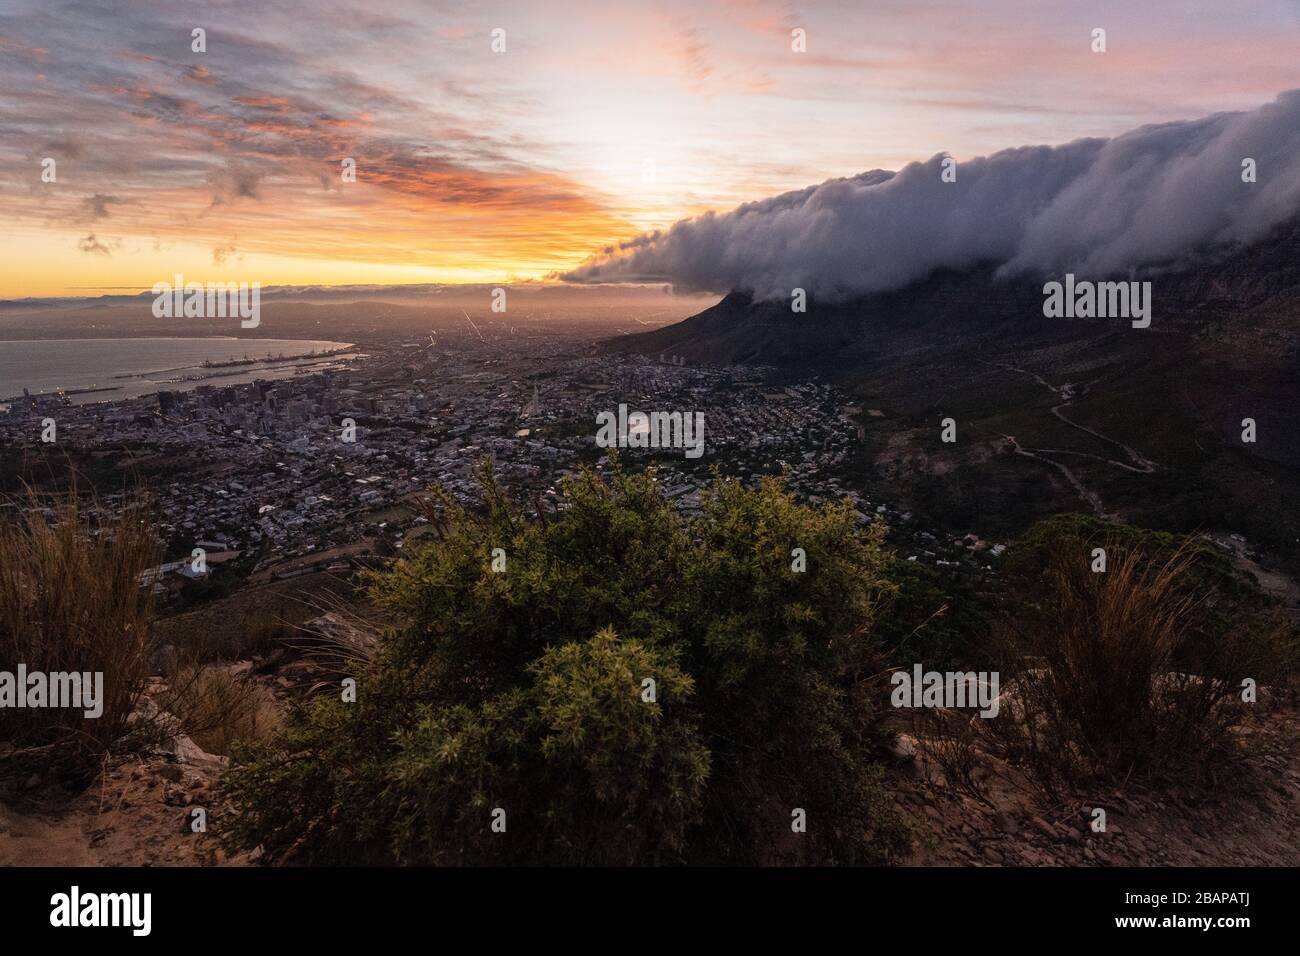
(219, 709)
(71, 599)
(1107, 674)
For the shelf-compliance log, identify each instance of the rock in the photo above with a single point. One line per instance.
(175, 797)
(1045, 828)
(186, 751)
(903, 750)
(33, 782)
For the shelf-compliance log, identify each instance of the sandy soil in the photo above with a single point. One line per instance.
(1252, 819)
(139, 813)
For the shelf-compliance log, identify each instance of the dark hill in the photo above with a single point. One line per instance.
(1222, 347)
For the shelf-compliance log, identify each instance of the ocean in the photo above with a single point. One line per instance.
(100, 370)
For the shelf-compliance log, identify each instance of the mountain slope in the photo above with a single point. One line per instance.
(1047, 407)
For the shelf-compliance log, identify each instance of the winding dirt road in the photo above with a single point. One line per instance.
(1137, 462)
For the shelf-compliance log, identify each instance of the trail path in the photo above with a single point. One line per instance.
(1137, 462)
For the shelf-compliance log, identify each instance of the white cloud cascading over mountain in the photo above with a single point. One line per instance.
(1095, 207)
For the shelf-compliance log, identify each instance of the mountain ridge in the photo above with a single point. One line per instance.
(1223, 347)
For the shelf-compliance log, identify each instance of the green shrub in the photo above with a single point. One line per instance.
(524, 691)
(931, 618)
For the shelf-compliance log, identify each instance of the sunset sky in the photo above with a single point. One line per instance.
(598, 122)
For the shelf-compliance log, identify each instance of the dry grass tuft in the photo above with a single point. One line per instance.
(71, 599)
(1104, 677)
(219, 709)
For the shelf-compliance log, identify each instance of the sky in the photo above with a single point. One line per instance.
(596, 122)
(1154, 199)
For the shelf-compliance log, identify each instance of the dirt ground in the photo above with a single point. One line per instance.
(1252, 819)
(140, 812)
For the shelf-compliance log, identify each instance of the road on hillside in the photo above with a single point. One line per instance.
(1137, 462)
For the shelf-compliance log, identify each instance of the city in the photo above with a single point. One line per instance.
(317, 471)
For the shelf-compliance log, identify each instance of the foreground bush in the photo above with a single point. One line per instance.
(71, 600)
(1135, 670)
(527, 690)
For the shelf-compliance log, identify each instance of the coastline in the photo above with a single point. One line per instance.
(290, 357)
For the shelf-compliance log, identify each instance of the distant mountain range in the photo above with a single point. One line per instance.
(470, 292)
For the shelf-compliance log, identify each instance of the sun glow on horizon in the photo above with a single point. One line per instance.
(591, 128)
